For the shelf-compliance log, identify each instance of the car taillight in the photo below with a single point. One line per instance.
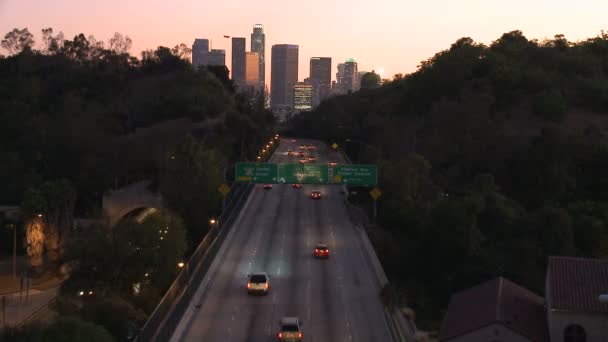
(248, 285)
(299, 335)
(266, 286)
(316, 250)
(280, 335)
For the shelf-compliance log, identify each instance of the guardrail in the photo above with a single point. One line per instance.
(401, 329)
(162, 322)
(169, 311)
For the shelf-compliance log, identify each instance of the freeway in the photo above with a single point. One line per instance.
(336, 299)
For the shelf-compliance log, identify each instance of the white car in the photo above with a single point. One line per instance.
(258, 283)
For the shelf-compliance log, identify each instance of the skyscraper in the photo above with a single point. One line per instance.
(252, 70)
(258, 44)
(350, 76)
(217, 57)
(238, 61)
(302, 97)
(284, 65)
(200, 51)
(338, 89)
(320, 78)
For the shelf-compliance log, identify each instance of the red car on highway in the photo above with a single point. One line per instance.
(321, 251)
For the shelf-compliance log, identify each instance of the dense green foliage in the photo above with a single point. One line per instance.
(492, 158)
(78, 111)
(78, 119)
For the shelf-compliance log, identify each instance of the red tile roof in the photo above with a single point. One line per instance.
(496, 301)
(575, 284)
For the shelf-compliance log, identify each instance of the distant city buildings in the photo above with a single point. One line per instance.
(252, 70)
(200, 52)
(337, 88)
(286, 94)
(217, 57)
(202, 56)
(258, 44)
(320, 79)
(346, 78)
(238, 61)
(302, 97)
(284, 69)
(350, 76)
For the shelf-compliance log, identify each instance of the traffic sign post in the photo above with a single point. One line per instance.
(224, 189)
(256, 172)
(375, 193)
(357, 175)
(304, 173)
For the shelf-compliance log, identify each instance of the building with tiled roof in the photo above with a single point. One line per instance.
(574, 310)
(498, 311)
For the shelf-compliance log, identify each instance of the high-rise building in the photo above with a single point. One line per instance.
(284, 65)
(339, 80)
(238, 61)
(252, 70)
(217, 57)
(350, 76)
(320, 78)
(200, 52)
(302, 97)
(258, 44)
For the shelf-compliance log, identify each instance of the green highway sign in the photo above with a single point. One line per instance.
(364, 175)
(256, 172)
(361, 175)
(304, 173)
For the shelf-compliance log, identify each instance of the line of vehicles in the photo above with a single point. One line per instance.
(290, 328)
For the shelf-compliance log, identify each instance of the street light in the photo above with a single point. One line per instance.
(212, 221)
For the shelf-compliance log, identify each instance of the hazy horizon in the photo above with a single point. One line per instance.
(393, 36)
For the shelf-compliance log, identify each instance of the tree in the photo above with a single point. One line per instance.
(182, 51)
(52, 206)
(120, 44)
(189, 184)
(114, 314)
(154, 246)
(52, 44)
(72, 329)
(34, 240)
(370, 80)
(17, 40)
(77, 49)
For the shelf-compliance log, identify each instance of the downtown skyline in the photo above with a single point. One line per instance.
(390, 37)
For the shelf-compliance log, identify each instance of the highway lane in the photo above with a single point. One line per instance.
(336, 299)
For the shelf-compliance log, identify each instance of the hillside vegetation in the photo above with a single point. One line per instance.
(491, 158)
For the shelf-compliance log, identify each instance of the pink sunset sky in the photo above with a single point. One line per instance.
(389, 36)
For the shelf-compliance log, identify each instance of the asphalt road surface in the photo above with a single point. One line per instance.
(336, 299)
